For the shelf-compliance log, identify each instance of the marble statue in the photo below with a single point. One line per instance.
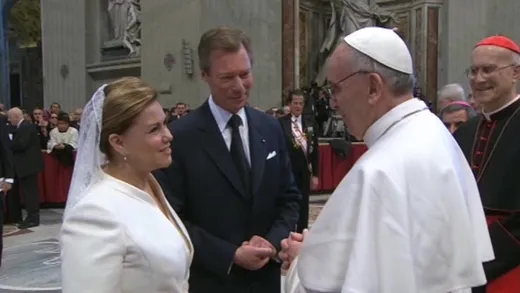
(117, 12)
(125, 20)
(347, 17)
(132, 32)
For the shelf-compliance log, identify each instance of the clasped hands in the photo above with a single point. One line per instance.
(254, 254)
(291, 248)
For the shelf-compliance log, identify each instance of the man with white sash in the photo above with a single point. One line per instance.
(408, 217)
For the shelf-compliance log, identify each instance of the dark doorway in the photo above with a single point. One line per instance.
(15, 89)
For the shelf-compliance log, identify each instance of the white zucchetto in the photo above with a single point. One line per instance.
(382, 45)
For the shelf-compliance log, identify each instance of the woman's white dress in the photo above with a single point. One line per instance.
(117, 239)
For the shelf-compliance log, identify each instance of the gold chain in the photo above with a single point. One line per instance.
(481, 171)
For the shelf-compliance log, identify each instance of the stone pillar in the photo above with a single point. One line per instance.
(5, 89)
(288, 44)
(425, 45)
(432, 53)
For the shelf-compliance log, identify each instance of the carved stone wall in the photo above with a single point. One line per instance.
(288, 45)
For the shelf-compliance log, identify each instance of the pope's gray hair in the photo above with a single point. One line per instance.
(398, 82)
(452, 91)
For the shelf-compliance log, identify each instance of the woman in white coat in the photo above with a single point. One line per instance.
(119, 233)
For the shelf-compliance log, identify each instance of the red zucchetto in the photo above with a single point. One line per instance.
(499, 41)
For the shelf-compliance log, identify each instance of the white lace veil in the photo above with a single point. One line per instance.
(87, 168)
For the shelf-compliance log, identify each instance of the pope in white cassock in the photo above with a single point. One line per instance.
(407, 218)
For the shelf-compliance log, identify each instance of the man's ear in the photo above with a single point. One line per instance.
(375, 87)
(204, 75)
(516, 73)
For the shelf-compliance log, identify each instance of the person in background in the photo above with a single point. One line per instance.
(450, 93)
(491, 143)
(63, 141)
(55, 108)
(180, 111)
(28, 162)
(27, 117)
(302, 143)
(455, 114)
(37, 115)
(53, 120)
(6, 173)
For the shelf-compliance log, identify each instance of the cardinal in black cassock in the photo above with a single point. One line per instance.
(491, 144)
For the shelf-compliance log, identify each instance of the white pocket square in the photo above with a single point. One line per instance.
(271, 155)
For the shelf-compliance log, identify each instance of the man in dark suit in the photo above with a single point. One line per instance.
(28, 161)
(231, 180)
(6, 172)
(302, 143)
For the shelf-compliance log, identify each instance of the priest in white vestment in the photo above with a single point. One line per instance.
(407, 218)
(63, 135)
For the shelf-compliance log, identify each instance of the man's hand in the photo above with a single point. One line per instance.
(59, 146)
(314, 182)
(6, 187)
(291, 248)
(251, 257)
(258, 241)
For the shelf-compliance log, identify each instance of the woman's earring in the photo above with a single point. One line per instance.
(124, 157)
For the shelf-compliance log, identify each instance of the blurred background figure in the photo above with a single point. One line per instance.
(450, 93)
(455, 114)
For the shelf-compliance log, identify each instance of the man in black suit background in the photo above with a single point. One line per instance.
(230, 180)
(6, 173)
(28, 161)
(302, 143)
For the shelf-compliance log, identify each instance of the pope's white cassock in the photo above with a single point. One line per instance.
(406, 219)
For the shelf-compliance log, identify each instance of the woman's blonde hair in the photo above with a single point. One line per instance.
(125, 99)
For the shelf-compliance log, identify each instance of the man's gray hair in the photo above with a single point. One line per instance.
(399, 83)
(453, 92)
(454, 107)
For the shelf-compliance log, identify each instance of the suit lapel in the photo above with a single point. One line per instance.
(218, 151)
(258, 149)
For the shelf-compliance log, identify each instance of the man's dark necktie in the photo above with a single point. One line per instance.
(238, 154)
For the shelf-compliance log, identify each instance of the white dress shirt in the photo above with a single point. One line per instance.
(222, 118)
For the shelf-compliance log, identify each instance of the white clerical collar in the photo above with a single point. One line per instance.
(222, 116)
(378, 128)
(488, 115)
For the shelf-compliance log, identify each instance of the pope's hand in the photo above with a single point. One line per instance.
(291, 248)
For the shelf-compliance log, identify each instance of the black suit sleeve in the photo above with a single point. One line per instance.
(315, 154)
(212, 253)
(22, 140)
(505, 238)
(288, 199)
(6, 156)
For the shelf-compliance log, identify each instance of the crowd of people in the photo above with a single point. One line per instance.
(217, 200)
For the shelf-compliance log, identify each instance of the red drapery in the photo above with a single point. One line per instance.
(333, 168)
(54, 181)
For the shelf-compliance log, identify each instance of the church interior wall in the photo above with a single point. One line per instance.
(64, 52)
(167, 23)
(465, 23)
